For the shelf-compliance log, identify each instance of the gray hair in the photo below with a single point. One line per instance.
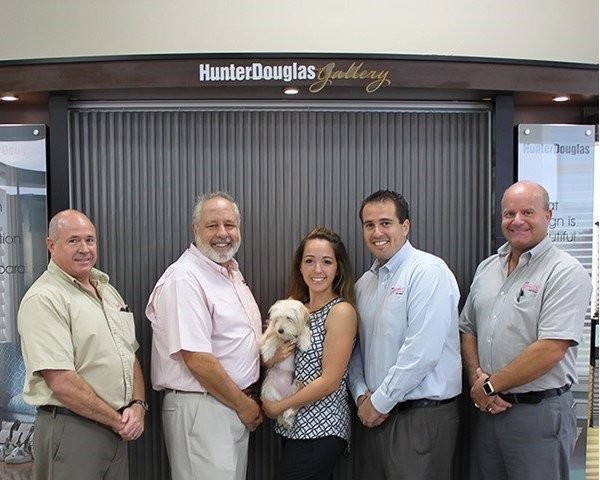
(202, 199)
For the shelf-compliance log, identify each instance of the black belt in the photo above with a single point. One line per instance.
(534, 397)
(420, 403)
(56, 410)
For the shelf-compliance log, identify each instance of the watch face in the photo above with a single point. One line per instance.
(487, 388)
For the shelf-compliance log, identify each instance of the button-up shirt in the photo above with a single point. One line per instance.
(408, 331)
(545, 297)
(63, 326)
(200, 306)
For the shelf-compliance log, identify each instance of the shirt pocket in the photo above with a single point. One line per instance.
(527, 303)
(528, 292)
(393, 324)
(127, 326)
(521, 320)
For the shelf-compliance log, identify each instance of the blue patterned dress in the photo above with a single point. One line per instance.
(329, 416)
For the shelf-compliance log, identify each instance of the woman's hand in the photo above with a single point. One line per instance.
(283, 351)
(272, 409)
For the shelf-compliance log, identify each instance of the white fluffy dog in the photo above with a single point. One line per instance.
(288, 321)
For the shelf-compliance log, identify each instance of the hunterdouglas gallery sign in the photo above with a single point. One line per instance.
(321, 76)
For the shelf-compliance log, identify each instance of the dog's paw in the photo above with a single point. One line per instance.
(298, 384)
(288, 418)
(268, 349)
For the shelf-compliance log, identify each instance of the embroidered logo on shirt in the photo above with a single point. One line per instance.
(528, 290)
(397, 290)
(531, 287)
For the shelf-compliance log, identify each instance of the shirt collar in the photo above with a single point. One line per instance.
(505, 250)
(96, 276)
(396, 261)
(231, 266)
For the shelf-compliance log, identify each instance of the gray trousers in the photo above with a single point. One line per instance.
(526, 442)
(414, 444)
(72, 448)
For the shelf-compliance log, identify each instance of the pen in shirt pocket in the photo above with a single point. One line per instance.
(521, 295)
(124, 308)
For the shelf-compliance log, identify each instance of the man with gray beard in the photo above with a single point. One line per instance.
(205, 352)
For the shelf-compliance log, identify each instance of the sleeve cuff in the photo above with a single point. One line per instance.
(357, 389)
(381, 404)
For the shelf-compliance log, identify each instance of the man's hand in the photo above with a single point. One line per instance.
(492, 404)
(497, 405)
(250, 414)
(367, 413)
(132, 422)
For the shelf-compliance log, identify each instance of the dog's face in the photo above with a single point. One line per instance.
(288, 319)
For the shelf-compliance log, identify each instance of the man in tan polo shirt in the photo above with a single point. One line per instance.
(78, 342)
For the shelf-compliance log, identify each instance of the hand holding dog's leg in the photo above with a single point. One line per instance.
(278, 354)
(284, 351)
(272, 409)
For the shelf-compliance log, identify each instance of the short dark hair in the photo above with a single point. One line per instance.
(343, 284)
(388, 196)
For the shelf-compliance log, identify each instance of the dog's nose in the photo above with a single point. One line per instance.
(280, 331)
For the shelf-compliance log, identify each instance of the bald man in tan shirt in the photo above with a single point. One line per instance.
(78, 342)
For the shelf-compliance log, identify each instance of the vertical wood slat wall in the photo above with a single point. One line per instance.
(137, 171)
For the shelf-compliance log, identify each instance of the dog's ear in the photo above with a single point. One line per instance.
(304, 339)
(274, 307)
(305, 315)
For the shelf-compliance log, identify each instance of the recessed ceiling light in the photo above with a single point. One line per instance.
(291, 90)
(561, 98)
(9, 98)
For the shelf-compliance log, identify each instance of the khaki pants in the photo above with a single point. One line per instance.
(204, 438)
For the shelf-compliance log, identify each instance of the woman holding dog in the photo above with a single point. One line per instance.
(322, 279)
